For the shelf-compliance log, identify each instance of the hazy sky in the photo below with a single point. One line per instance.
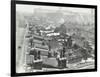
(30, 8)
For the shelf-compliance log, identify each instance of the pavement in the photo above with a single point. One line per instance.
(86, 65)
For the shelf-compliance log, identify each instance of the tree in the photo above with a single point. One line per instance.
(85, 54)
(88, 47)
(61, 29)
(69, 42)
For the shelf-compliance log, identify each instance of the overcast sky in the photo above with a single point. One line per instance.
(30, 8)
